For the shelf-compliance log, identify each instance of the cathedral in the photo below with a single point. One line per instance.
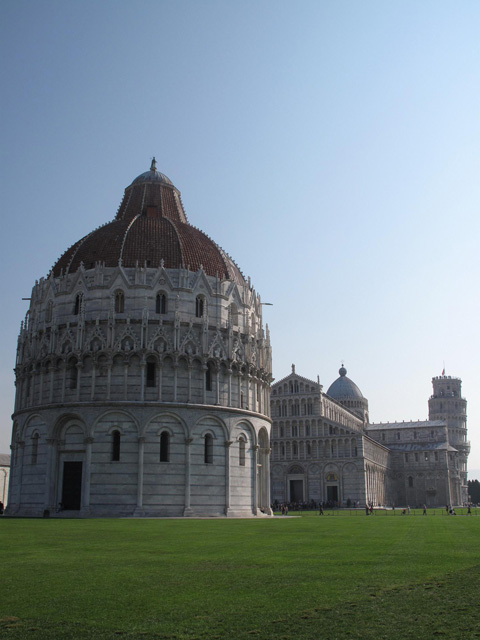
(325, 450)
(143, 374)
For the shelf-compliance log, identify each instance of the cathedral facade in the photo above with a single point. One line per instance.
(143, 374)
(324, 449)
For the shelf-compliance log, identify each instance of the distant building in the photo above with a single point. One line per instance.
(325, 450)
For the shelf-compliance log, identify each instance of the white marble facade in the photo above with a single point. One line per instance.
(142, 390)
(325, 450)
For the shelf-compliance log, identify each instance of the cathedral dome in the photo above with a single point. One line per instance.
(150, 229)
(343, 388)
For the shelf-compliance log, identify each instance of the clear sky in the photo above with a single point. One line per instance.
(332, 148)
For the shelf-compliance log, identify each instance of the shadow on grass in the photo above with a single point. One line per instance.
(444, 608)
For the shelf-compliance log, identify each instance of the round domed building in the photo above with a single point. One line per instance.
(143, 374)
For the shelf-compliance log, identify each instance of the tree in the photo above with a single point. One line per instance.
(474, 490)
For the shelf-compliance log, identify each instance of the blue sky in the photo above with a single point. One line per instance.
(332, 148)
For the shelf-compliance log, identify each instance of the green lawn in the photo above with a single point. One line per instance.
(283, 578)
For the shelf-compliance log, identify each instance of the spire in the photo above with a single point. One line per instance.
(153, 166)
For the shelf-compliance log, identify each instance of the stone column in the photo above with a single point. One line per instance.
(229, 373)
(94, 370)
(49, 499)
(52, 374)
(142, 381)
(40, 390)
(266, 480)
(125, 380)
(189, 392)
(109, 377)
(79, 366)
(64, 380)
(86, 477)
(175, 371)
(204, 386)
(141, 450)
(255, 449)
(188, 509)
(228, 444)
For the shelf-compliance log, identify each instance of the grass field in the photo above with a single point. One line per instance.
(283, 578)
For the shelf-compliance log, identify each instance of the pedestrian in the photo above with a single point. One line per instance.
(469, 510)
(367, 510)
(424, 509)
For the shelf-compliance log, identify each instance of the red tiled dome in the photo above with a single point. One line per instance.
(150, 226)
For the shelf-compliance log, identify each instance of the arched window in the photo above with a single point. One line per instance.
(209, 377)
(309, 450)
(35, 448)
(115, 445)
(307, 429)
(295, 449)
(72, 374)
(150, 373)
(233, 314)
(78, 304)
(49, 311)
(165, 447)
(282, 449)
(208, 449)
(241, 451)
(119, 301)
(281, 432)
(410, 481)
(199, 307)
(161, 303)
